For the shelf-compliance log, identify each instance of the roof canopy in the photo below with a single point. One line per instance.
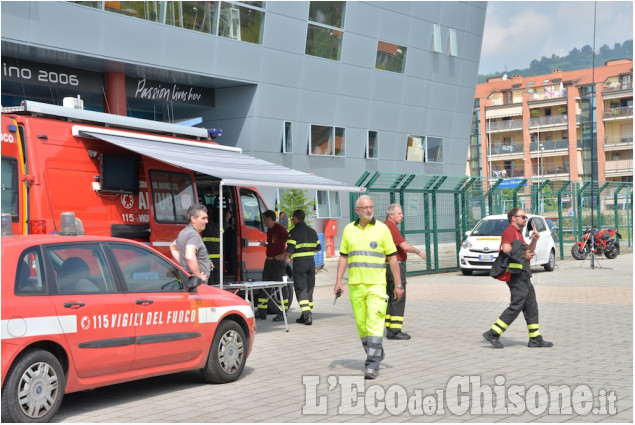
(227, 163)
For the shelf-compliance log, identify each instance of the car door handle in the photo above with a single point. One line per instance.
(144, 302)
(74, 305)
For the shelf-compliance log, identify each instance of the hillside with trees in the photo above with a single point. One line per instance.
(576, 59)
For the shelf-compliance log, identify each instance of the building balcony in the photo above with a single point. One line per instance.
(514, 148)
(538, 123)
(621, 113)
(549, 147)
(548, 95)
(616, 143)
(628, 87)
(503, 173)
(621, 167)
(551, 171)
(504, 125)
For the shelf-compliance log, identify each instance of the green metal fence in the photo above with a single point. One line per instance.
(438, 210)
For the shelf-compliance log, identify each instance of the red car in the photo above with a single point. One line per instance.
(80, 312)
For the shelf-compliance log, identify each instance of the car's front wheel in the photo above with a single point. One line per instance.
(33, 389)
(228, 354)
(551, 264)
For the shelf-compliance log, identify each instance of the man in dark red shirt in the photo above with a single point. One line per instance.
(523, 295)
(275, 264)
(397, 307)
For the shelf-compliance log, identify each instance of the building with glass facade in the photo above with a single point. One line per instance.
(333, 88)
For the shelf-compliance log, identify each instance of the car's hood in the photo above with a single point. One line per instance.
(485, 243)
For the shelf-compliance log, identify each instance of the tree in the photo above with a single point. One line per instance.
(296, 199)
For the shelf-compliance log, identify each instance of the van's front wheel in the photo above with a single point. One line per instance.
(227, 355)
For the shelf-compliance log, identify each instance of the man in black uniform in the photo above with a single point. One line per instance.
(302, 245)
(211, 239)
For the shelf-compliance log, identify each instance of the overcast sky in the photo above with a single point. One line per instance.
(518, 32)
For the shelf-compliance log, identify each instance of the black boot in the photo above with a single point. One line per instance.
(538, 342)
(492, 338)
(308, 320)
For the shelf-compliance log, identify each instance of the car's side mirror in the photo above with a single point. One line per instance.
(193, 283)
(468, 233)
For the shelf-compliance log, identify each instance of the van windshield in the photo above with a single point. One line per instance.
(494, 227)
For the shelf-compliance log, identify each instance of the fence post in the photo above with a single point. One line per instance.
(579, 212)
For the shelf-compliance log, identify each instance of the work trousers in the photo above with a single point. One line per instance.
(214, 279)
(304, 282)
(273, 271)
(523, 299)
(369, 307)
(396, 308)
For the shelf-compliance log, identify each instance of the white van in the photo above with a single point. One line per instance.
(480, 248)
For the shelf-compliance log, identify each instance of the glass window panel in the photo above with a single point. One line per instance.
(193, 15)
(322, 204)
(340, 142)
(414, 150)
(323, 42)
(372, 148)
(82, 269)
(334, 202)
(434, 151)
(9, 185)
(453, 44)
(241, 23)
(327, 12)
(172, 195)
(436, 39)
(321, 140)
(287, 138)
(94, 4)
(145, 271)
(149, 10)
(390, 57)
(29, 276)
(259, 4)
(252, 209)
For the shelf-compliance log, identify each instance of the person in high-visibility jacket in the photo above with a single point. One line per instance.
(302, 245)
(366, 243)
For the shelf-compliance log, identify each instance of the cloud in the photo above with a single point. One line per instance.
(518, 32)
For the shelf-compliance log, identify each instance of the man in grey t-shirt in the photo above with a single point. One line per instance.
(188, 249)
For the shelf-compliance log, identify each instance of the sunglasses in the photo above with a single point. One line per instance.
(524, 217)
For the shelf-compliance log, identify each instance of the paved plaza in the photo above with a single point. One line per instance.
(445, 373)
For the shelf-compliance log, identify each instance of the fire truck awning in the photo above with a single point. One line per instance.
(226, 163)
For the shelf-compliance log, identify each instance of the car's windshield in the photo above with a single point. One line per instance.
(491, 227)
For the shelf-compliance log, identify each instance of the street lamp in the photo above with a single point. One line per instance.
(541, 171)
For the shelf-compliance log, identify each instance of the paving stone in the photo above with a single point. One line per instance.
(587, 313)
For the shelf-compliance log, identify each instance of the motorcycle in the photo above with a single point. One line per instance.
(604, 242)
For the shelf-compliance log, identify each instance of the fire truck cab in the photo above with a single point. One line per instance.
(121, 177)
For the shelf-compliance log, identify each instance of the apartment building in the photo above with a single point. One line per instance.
(551, 126)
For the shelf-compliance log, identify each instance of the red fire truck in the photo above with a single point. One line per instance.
(124, 177)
